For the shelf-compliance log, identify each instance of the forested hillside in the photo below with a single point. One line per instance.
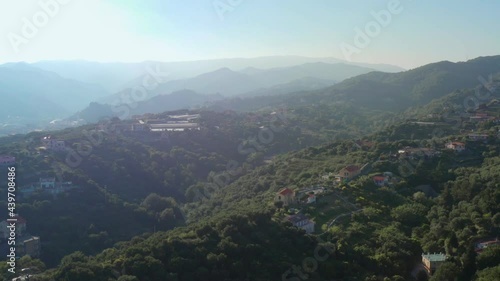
(237, 234)
(187, 205)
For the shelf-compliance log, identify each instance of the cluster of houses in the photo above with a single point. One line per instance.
(26, 244)
(457, 146)
(287, 197)
(46, 185)
(480, 117)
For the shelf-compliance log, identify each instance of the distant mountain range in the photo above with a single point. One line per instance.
(229, 83)
(36, 96)
(118, 76)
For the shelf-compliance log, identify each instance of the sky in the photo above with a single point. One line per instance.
(407, 33)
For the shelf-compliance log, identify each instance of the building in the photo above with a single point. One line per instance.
(432, 262)
(188, 117)
(417, 152)
(20, 227)
(480, 117)
(480, 246)
(138, 127)
(7, 160)
(456, 146)
(31, 246)
(173, 127)
(301, 221)
(47, 183)
(53, 144)
(380, 180)
(327, 176)
(311, 199)
(348, 173)
(477, 137)
(285, 195)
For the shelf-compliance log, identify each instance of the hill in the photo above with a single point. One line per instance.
(34, 96)
(182, 99)
(237, 226)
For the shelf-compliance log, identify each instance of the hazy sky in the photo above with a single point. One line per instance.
(417, 33)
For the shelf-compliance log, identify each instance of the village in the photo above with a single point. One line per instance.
(295, 202)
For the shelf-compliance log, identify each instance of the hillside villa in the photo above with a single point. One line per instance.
(348, 173)
(301, 221)
(286, 196)
(456, 146)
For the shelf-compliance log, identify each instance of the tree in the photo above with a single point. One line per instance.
(489, 257)
(489, 274)
(448, 271)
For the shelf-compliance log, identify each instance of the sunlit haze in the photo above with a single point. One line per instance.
(419, 32)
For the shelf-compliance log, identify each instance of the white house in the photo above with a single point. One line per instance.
(301, 221)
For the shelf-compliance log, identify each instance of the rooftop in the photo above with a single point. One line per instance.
(434, 257)
(352, 168)
(285, 191)
(297, 218)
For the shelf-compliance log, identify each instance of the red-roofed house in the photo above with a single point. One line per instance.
(480, 246)
(455, 145)
(285, 195)
(348, 173)
(380, 180)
